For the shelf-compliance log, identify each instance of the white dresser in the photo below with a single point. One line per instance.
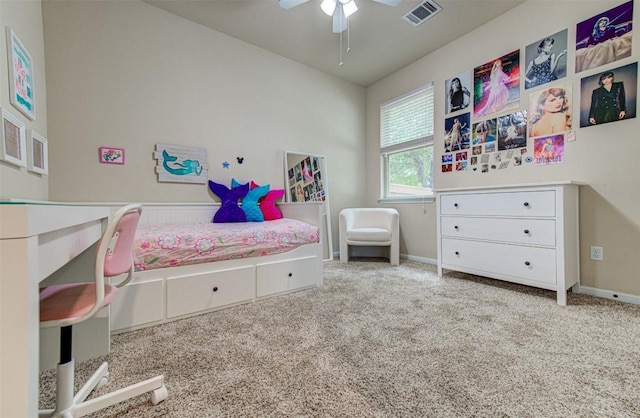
(526, 234)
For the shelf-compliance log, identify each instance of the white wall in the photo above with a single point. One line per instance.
(25, 18)
(127, 74)
(604, 157)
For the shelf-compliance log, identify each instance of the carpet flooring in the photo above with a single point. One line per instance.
(382, 341)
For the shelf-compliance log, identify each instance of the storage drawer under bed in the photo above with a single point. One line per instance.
(283, 276)
(198, 293)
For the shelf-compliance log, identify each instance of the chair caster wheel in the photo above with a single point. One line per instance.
(159, 395)
(103, 381)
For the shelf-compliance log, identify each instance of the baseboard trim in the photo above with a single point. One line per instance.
(586, 290)
(424, 260)
(417, 259)
(608, 294)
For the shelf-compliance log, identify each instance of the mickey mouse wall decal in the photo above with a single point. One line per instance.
(240, 159)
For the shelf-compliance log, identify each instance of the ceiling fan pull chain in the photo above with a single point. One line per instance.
(341, 63)
(348, 36)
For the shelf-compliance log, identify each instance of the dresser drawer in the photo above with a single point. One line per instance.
(192, 294)
(538, 203)
(519, 231)
(529, 263)
(283, 276)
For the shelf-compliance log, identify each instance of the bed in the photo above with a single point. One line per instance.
(225, 264)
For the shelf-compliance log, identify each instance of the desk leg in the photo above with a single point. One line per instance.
(19, 327)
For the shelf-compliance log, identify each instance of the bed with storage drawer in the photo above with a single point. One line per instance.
(526, 234)
(229, 264)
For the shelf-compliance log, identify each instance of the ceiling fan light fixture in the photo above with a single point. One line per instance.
(349, 8)
(328, 7)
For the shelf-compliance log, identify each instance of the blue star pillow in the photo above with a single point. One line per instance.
(250, 202)
(229, 211)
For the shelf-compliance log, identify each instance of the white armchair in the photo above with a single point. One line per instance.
(370, 227)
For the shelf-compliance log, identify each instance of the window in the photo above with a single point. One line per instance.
(406, 146)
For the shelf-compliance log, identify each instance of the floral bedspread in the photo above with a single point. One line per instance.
(160, 246)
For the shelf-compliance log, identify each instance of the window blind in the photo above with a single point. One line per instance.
(407, 120)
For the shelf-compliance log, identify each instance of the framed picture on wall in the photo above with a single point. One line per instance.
(37, 153)
(110, 155)
(180, 164)
(20, 76)
(12, 136)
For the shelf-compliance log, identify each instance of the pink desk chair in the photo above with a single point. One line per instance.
(69, 304)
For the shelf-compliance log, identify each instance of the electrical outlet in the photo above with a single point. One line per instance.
(597, 253)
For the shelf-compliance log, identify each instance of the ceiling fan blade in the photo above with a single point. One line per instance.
(393, 3)
(339, 21)
(288, 4)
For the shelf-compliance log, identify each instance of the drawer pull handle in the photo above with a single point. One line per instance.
(290, 274)
(526, 204)
(526, 231)
(457, 253)
(215, 288)
(455, 227)
(526, 263)
(455, 205)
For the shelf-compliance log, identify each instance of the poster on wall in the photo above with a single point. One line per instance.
(546, 60)
(496, 85)
(550, 111)
(458, 92)
(447, 163)
(609, 96)
(462, 159)
(512, 131)
(457, 134)
(484, 132)
(604, 38)
(548, 150)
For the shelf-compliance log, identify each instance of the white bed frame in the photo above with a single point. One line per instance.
(157, 296)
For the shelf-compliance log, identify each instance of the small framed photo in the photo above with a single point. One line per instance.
(21, 84)
(38, 153)
(13, 138)
(110, 155)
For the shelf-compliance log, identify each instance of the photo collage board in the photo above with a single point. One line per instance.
(305, 181)
(489, 130)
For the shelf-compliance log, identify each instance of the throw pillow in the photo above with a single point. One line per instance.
(250, 201)
(268, 204)
(229, 210)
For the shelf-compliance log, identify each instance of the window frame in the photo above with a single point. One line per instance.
(425, 141)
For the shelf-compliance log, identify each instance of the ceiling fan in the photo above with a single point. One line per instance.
(339, 9)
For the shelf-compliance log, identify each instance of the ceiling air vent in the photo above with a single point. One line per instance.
(425, 10)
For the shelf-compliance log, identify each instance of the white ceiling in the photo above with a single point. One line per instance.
(381, 41)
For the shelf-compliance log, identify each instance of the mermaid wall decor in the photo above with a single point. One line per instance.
(178, 164)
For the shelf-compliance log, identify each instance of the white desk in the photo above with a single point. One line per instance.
(36, 239)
